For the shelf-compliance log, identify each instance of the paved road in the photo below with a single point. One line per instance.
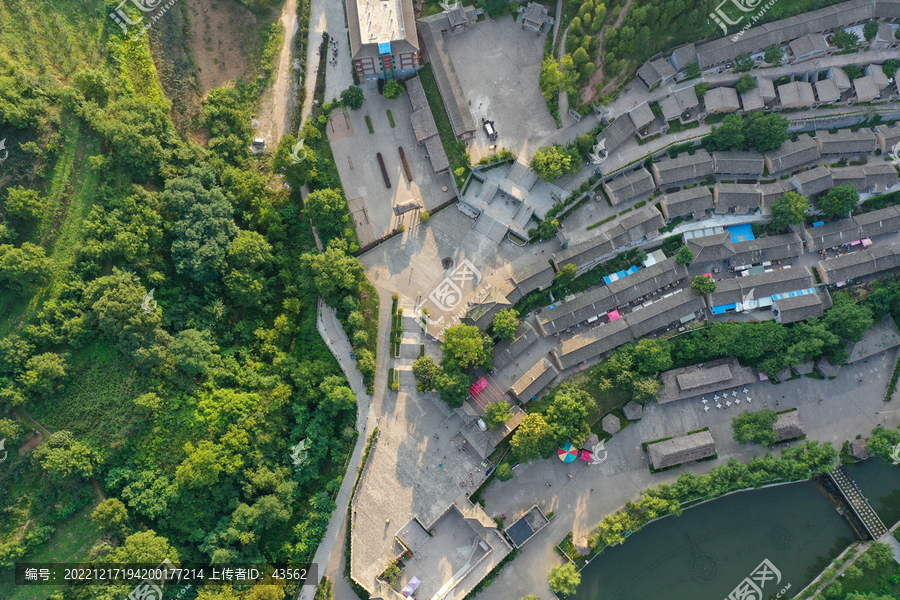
(277, 105)
(327, 16)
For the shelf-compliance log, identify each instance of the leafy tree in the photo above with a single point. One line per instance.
(567, 273)
(547, 229)
(853, 71)
(651, 357)
(494, 8)
(848, 319)
(61, 455)
(44, 373)
(424, 216)
(882, 441)
(334, 273)
(505, 323)
(743, 63)
(427, 372)
(552, 162)
(746, 83)
(504, 472)
(327, 209)
(531, 597)
(465, 347)
(26, 204)
(839, 200)
(94, 84)
(703, 284)
(557, 75)
(497, 413)
(774, 55)
(580, 56)
(249, 250)
(790, 209)
(889, 67)
(685, 256)
(110, 515)
(692, 71)
(755, 427)
(143, 547)
(846, 40)
(195, 352)
(765, 132)
(729, 134)
(567, 415)
(392, 89)
(204, 228)
(24, 269)
(352, 97)
(701, 88)
(811, 339)
(11, 431)
(452, 386)
(870, 30)
(564, 579)
(534, 438)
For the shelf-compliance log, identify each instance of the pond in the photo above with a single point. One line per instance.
(709, 551)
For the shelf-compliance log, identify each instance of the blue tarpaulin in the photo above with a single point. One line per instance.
(384, 47)
(818, 223)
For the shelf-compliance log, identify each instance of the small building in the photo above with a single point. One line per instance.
(788, 426)
(424, 127)
(826, 368)
(854, 176)
(383, 45)
(808, 47)
(742, 294)
(629, 185)
(523, 529)
(840, 78)
(882, 336)
(874, 259)
(588, 306)
(636, 226)
(656, 72)
(880, 177)
(684, 168)
(611, 424)
(618, 132)
(677, 451)
(696, 380)
(431, 32)
(804, 368)
(683, 56)
(721, 100)
(797, 308)
(711, 248)
(633, 411)
(792, 155)
(813, 181)
(696, 201)
(827, 92)
(796, 94)
(885, 37)
(535, 275)
(858, 449)
(845, 141)
(770, 193)
(534, 16)
(767, 249)
(749, 164)
(866, 89)
(681, 104)
(888, 136)
(735, 198)
(662, 313)
(534, 381)
(881, 80)
(591, 343)
(507, 350)
(586, 252)
(642, 117)
(877, 222)
(645, 281)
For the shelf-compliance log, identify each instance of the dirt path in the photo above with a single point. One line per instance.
(589, 94)
(277, 105)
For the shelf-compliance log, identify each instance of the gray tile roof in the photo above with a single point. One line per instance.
(881, 80)
(865, 88)
(796, 93)
(873, 259)
(594, 302)
(808, 45)
(885, 33)
(827, 91)
(683, 168)
(845, 141)
(877, 222)
(648, 74)
(507, 350)
(711, 248)
(890, 134)
(684, 55)
(768, 248)
(721, 99)
(887, 9)
(729, 195)
(663, 67)
(813, 181)
(534, 380)
(618, 132)
(629, 185)
(788, 426)
(766, 88)
(752, 100)
(646, 280)
(676, 103)
(781, 281)
(842, 231)
(696, 200)
(880, 176)
(882, 336)
(586, 251)
(636, 225)
(537, 274)
(840, 78)
(448, 83)
(592, 343)
(681, 450)
(854, 176)
(738, 163)
(793, 154)
(641, 115)
(798, 308)
(663, 312)
(697, 380)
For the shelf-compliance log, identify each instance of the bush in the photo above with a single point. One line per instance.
(504, 472)
(424, 216)
(392, 89)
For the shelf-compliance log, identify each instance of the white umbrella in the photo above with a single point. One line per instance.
(706, 409)
(738, 401)
(745, 390)
(704, 401)
(728, 403)
(748, 398)
(734, 392)
(718, 405)
(716, 397)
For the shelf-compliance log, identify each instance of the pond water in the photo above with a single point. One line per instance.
(709, 551)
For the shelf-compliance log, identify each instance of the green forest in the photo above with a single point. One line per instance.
(159, 356)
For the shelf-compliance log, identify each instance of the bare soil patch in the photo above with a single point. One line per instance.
(220, 31)
(589, 93)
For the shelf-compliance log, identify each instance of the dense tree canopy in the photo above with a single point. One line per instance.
(755, 427)
(839, 200)
(552, 162)
(505, 323)
(790, 209)
(466, 347)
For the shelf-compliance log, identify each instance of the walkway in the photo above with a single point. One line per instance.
(858, 502)
(327, 16)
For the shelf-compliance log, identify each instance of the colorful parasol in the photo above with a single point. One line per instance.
(567, 453)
